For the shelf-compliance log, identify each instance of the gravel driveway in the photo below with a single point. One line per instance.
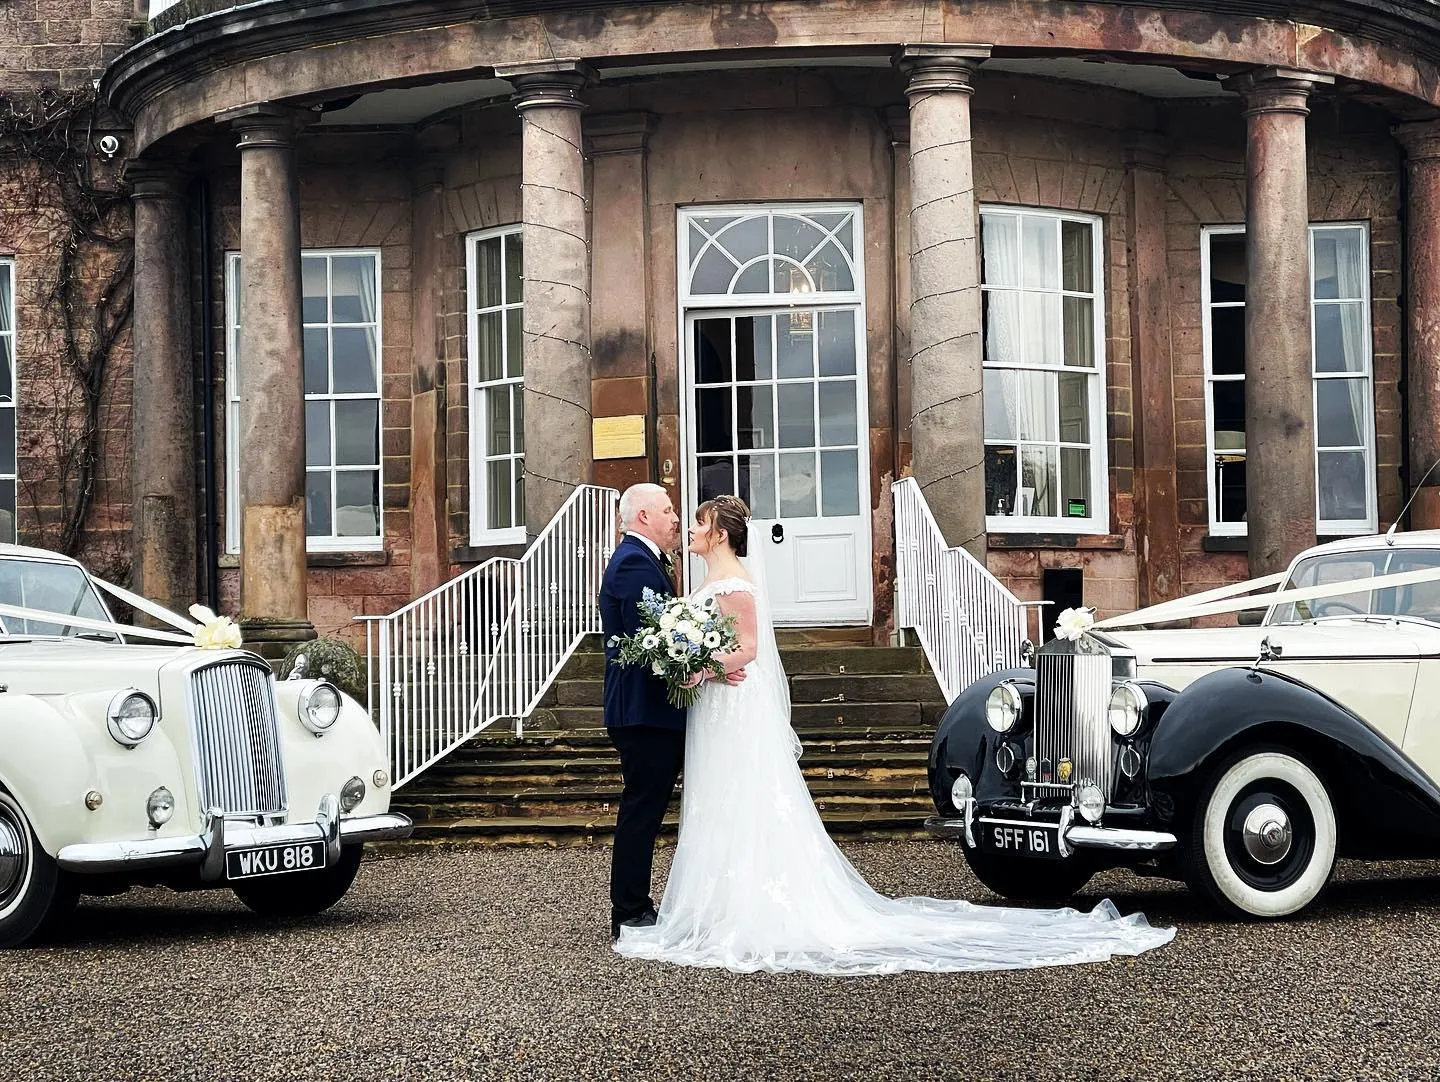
(495, 964)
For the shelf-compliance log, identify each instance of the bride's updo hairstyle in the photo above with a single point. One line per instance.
(730, 514)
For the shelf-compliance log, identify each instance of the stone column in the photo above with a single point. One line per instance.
(620, 308)
(1157, 508)
(1421, 140)
(557, 284)
(897, 122)
(273, 606)
(946, 406)
(429, 531)
(163, 394)
(1279, 411)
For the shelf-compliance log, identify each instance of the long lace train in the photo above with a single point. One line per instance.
(757, 884)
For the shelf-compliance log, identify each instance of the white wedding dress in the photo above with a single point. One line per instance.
(757, 884)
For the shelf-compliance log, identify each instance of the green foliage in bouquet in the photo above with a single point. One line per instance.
(328, 658)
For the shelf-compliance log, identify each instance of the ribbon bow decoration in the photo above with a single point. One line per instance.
(1072, 623)
(215, 632)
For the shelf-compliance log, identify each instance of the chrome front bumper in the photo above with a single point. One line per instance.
(1073, 835)
(208, 850)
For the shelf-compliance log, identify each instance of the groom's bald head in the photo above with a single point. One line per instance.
(646, 509)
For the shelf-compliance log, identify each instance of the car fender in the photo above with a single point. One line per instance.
(964, 740)
(1385, 805)
(46, 766)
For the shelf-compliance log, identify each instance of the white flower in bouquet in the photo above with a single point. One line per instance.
(649, 642)
(667, 619)
(691, 632)
(657, 669)
(712, 640)
(676, 650)
(1072, 623)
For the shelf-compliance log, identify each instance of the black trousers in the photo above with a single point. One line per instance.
(650, 760)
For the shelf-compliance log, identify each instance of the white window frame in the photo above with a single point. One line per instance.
(8, 264)
(331, 542)
(1326, 528)
(1098, 521)
(481, 533)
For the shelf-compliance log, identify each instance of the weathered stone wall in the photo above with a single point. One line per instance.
(61, 46)
(344, 206)
(1354, 175)
(1042, 143)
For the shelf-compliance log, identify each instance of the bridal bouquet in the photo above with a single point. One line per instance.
(677, 639)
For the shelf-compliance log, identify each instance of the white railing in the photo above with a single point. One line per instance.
(485, 646)
(968, 623)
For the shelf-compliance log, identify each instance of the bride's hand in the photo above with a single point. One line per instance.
(736, 677)
(693, 680)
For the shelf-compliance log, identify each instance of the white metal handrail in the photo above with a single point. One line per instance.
(968, 623)
(487, 645)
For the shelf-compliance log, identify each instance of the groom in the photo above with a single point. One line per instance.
(646, 730)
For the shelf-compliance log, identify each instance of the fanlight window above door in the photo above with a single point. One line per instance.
(773, 255)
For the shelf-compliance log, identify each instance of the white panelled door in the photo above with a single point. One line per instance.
(774, 386)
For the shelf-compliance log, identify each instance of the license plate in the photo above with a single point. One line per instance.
(274, 860)
(1022, 841)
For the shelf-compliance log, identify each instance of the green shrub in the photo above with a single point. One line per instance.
(332, 659)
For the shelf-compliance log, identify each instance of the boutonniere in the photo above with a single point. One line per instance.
(668, 563)
(1072, 623)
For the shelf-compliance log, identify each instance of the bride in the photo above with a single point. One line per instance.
(757, 884)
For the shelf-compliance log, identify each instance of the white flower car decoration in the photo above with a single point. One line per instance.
(185, 765)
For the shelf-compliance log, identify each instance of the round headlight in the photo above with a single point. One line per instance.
(351, 793)
(961, 791)
(1127, 709)
(160, 807)
(1002, 707)
(320, 708)
(131, 717)
(1091, 802)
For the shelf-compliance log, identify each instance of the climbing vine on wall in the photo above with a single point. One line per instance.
(68, 222)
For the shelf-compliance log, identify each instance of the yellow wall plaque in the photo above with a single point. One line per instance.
(618, 437)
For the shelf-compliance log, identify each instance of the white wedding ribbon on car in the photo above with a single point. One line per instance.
(207, 630)
(1191, 608)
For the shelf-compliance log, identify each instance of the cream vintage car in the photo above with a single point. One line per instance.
(124, 764)
(1242, 760)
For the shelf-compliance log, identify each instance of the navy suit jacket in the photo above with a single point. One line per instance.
(633, 695)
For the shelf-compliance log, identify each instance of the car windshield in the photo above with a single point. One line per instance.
(53, 587)
(1420, 600)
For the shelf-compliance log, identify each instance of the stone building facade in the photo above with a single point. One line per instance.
(1143, 296)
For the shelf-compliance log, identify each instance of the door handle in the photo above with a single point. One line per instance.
(777, 533)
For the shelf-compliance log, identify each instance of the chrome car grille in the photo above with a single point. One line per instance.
(1072, 699)
(237, 739)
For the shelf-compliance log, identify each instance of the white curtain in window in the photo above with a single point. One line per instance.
(366, 288)
(1350, 278)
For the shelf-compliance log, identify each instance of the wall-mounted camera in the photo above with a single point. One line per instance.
(109, 146)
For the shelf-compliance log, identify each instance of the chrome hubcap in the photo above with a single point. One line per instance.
(1267, 833)
(12, 856)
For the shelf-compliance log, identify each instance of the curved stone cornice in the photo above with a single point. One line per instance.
(186, 74)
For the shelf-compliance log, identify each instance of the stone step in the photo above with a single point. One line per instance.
(909, 796)
(604, 772)
(593, 829)
(851, 688)
(910, 714)
(833, 660)
(493, 745)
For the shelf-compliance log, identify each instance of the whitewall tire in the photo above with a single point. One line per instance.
(34, 893)
(1264, 836)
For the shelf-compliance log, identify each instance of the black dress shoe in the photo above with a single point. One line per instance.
(646, 919)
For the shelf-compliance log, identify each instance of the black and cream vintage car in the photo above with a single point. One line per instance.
(1243, 760)
(184, 765)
